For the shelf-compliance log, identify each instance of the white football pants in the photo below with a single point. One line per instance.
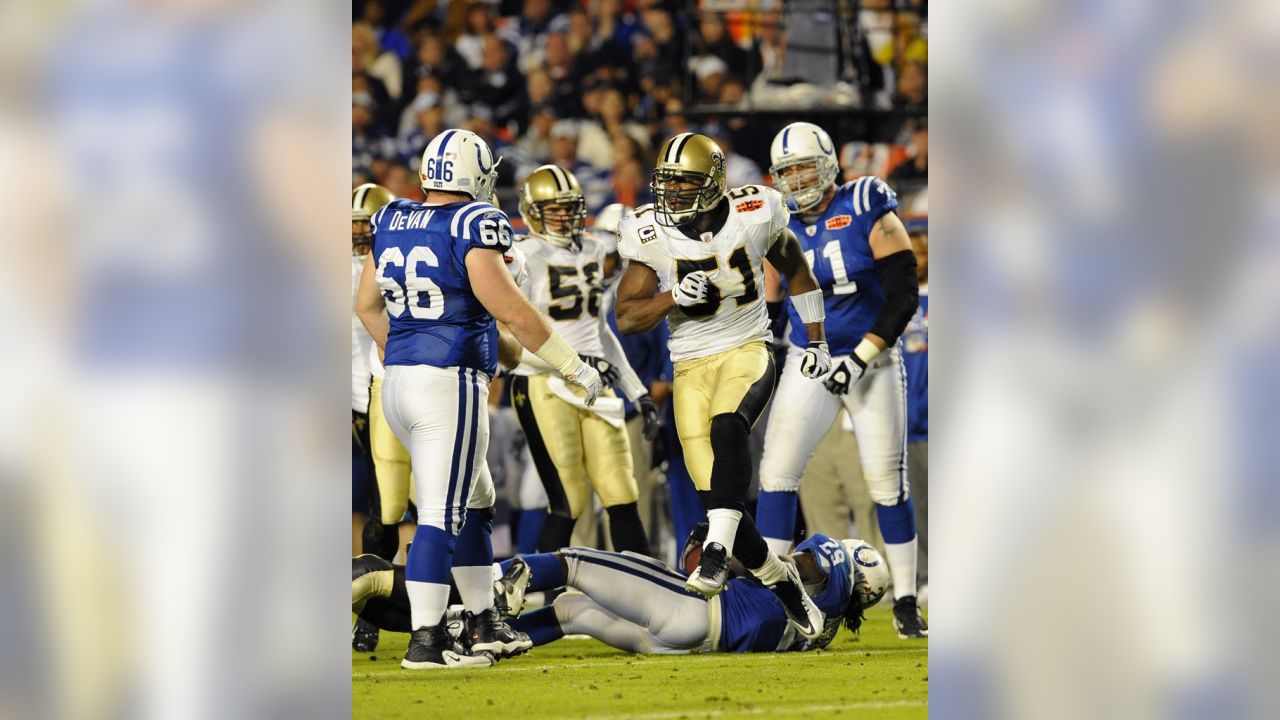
(441, 416)
(804, 409)
(631, 602)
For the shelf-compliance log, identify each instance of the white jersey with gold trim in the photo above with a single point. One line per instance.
(567, 286)
(360, 347)
(733, 258)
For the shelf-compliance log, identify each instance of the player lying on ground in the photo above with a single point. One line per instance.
(637, 604)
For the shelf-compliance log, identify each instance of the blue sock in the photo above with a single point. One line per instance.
(686, 508)
(541, 625)
(897, 522)
(430, 557)
(530, 526)
(474, 545)
(776, 514)
(546, 569)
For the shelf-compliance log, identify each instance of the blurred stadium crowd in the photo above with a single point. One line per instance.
(595, 86)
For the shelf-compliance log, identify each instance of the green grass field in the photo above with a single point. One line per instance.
(875, 675)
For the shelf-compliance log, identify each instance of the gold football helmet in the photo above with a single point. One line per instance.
(366, 200)
(552, 205)
(689, 178)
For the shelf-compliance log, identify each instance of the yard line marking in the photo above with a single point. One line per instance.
(785, 710)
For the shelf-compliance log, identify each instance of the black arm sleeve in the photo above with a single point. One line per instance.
(902, 295)
(777, 317)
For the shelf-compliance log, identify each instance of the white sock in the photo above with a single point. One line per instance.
(772, 571)
(475, 585)
(902, 565)
(724, 526)
(778, 546)
(427, 602)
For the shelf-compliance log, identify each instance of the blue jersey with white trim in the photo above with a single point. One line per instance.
(752, 618)
(837, 247)
(915, 356)
(421, 255)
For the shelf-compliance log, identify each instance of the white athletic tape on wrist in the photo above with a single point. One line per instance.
(866, 351)
(557, 353)
(809, 306)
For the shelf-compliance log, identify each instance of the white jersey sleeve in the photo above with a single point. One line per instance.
(360, 344)
(567, 286)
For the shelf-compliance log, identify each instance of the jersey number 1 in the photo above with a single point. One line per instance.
(739, 261)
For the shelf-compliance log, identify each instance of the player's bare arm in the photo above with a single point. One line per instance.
(640, 307)
(497, 291)
(371, 307)
(510, 351)
(891, 249)
(787, 257)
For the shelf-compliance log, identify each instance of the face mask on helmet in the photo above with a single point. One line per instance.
(681, 196)
(804, 181)
(361, 236)
(562, 219)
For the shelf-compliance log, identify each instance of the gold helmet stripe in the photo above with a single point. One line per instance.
(677, 144)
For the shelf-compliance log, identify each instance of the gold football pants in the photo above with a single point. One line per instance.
(739, 380)
(572, 447)
(391, 463)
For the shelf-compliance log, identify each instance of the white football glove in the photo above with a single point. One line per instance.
(816, 360)
(588, 379)
(692, 289)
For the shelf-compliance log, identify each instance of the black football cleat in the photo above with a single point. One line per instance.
(489, 632)
(431, 648)
(712, 572)
(364, 637)
(801, 611)
(907, 618)
(509, 590)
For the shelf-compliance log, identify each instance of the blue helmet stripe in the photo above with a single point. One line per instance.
(444, 142)
(786, 133)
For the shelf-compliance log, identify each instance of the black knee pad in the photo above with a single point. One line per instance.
(728, 432)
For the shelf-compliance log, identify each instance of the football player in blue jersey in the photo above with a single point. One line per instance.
(429, 294)
(638, 604)
(861, 256)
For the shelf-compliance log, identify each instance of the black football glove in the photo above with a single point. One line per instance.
(845, 375)
(650, 413)
(608, 373)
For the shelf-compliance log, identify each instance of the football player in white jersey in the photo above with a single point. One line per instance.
(861, 255)
(375, 537)
(696, 257)
(570, 443)
(429, 295)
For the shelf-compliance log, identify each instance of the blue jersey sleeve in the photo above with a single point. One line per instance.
(480, 225)
(869, 198)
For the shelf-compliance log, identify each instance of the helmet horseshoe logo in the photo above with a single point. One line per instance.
(480, 161)
(824, 148)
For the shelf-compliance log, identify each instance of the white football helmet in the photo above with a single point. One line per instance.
(459, 161)
(606, 227)
(871, 572)
(800, 143)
